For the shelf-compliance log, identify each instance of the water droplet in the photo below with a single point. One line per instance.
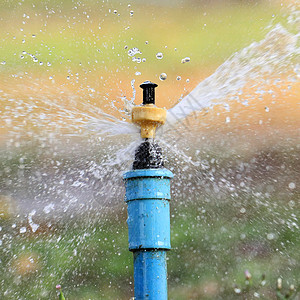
(267, 109)
(115, 11)
(3, 62)
(178, 78)
(188, 80)
(33, 226)
(22, 229)
(270, 236)
(159, 55)
(22, 56)
(292, 185)
(242, 210)
(138, 73)
(137, 60)
(47, 209)
(185, 60)
(144, 59)
(163, 76)
(35, 59)
(227, 120)
(131, 13)
(134, 51)
(41, 63)
(48, 64)
(33, 35)
(146, 42)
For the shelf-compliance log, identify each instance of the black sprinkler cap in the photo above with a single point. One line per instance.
(148, 92)
(148, 155)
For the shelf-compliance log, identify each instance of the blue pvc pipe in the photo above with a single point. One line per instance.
(150, 275)
(152, 229)
(147, 197)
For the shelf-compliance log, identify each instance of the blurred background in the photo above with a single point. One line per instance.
(69, 74)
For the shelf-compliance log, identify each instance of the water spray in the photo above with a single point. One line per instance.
(147, 196)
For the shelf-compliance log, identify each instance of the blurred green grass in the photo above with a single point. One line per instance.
(214, 240)
(67, 39)
(212, 245)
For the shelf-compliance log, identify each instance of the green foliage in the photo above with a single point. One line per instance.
(61, 296)
(212, 244)
(250, 288)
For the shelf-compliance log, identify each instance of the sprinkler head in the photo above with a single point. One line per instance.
(148, 116)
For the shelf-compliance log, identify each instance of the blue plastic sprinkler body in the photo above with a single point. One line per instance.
(147, 197)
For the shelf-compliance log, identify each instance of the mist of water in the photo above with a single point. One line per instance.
(275, 58)
(54, 124)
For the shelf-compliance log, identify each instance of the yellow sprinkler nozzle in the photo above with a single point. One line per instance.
(148, 116)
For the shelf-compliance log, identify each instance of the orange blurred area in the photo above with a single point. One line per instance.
(278, 110)
(26, 264)
(74, 63)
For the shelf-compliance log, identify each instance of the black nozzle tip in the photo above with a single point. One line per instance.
(148, 92)
(148, 155)
(147, 84)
